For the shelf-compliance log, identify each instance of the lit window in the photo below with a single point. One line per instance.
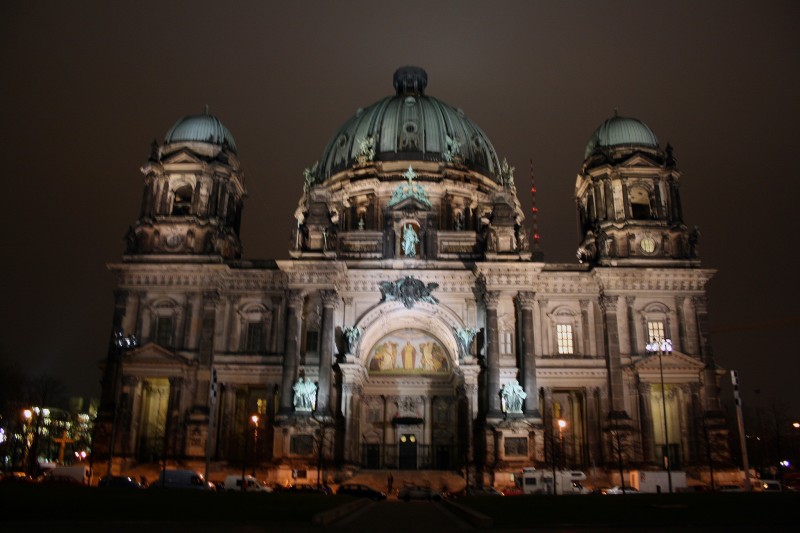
(656, 331)
(564, 338)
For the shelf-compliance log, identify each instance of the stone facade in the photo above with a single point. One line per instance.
(411, 300)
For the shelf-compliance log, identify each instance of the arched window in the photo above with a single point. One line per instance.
(640, 203)
(182, 201)
(564, 330)
(655, 317)
(164, 323)
(255, 328)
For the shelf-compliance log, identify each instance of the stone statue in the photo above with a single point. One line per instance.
(352, 335)
(512, 396)
(465, 337)
(305, 392)
(410, 241)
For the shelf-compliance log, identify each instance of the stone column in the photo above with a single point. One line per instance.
(586, 349)
(227, 424)
(633, 348)
(291, 358)
(710, 389)
(613, 362)
(206, 348)
(173, 426)
(529, 383)
(592, 426)
(329, 300)
(681, 344)
(491, 300)
(646, 422)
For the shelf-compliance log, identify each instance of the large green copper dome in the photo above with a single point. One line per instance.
(621, 131)
(409, 126)
(201, 128)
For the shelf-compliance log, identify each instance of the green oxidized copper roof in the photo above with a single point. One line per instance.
(409, 126)
(201, 128)
(621, 131)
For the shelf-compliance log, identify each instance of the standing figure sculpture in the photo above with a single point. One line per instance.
(410, 241)
(304, 395)
(512, 395)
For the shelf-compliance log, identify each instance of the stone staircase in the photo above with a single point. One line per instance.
(436, 479)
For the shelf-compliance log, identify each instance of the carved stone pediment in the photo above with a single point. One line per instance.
(678, 367)
(153, 354)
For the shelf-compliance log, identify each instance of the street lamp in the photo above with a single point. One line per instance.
(254, 419)
(562, 424)
(122, 343)
(660, 347)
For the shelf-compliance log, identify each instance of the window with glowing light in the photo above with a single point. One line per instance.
(564, 339)
(656, 330)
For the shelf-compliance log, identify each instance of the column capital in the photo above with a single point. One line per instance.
(491, 299)
(609, 303)
(329, 297)
(295, 297)
(526, 299)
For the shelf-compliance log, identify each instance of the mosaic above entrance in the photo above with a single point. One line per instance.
(408, 351)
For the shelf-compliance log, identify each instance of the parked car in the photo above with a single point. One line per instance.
(306, 489)
(181, 479)
(414, 492)
(768, 485)
(234, 483)
(362, 491)
(619, 490)
(483, 491)
(119, 482)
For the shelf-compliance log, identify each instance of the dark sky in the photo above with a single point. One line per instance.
(86, 86)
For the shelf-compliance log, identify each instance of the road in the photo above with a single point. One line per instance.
(394, 516)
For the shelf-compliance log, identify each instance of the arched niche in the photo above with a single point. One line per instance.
(435, 320)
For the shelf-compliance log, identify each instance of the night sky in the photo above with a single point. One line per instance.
(85, 87)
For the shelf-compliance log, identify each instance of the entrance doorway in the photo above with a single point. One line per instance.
(408, 452)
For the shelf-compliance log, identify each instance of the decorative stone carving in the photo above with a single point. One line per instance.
(465, 337)
(512, 396)
(408, 290)
(304, 396)
(352, 335)
(410, 190)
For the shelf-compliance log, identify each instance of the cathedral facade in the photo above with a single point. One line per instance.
(415, 324)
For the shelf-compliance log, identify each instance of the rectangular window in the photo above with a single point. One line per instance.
(301, 444)
(312, 341)
(656, 331)
(515, 446)
(505, 343)
(255, 337)
(164, 330)
(564, 337)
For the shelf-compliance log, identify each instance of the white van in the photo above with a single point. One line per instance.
(79, 473)
(234, 483)
(181, 479)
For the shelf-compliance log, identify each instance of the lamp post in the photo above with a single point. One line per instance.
(660, 347)
(254, 420)
(122, 343)
(562, 424)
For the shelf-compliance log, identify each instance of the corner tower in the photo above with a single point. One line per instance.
(629, 202)
(193, 196)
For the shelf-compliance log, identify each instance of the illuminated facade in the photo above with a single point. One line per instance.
(414, 326)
